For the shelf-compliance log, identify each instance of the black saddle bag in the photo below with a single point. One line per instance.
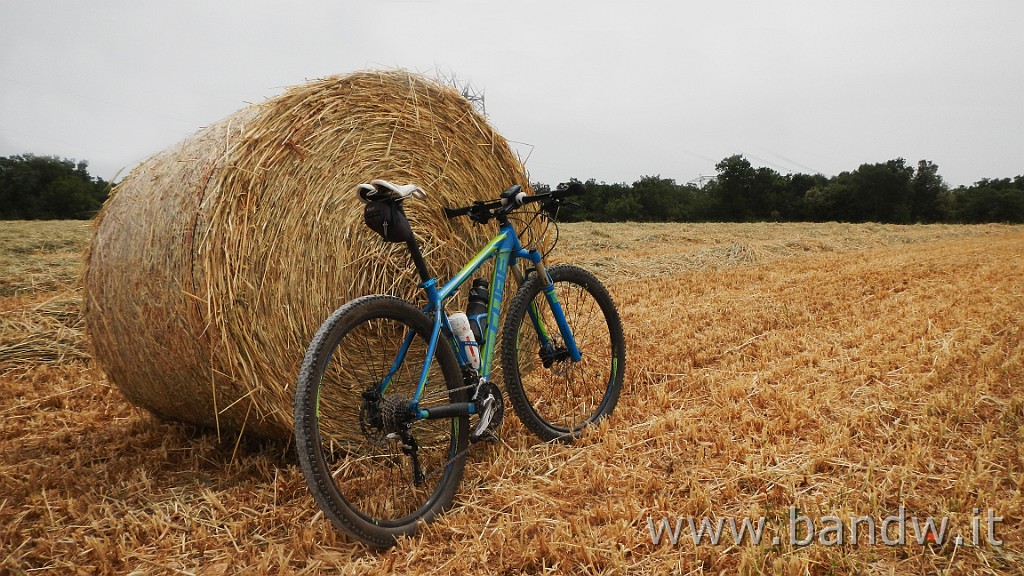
(387, 218)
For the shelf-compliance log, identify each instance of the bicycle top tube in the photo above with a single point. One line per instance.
(506, 240)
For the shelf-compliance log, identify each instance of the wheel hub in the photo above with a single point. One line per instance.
(556, 358)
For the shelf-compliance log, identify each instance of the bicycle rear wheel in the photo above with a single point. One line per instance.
(354, 434)
(555, 397)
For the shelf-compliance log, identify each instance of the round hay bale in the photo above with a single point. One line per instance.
(214, 262)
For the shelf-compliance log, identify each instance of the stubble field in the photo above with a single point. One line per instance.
(775, 371)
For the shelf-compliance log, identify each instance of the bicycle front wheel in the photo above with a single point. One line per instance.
(371, 466)
(555, 397)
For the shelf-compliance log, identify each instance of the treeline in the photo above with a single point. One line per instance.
(48, 188)
(890, 192)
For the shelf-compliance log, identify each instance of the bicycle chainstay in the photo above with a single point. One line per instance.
(485, 435)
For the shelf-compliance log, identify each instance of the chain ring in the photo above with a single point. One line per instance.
(490, 388)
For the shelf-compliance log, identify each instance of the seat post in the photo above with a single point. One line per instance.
(417, 259)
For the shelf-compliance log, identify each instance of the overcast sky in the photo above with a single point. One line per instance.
(605, 90)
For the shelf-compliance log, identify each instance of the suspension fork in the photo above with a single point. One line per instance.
(556, 310)
(535, 319)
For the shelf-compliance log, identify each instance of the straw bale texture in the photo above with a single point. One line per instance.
(214, 261)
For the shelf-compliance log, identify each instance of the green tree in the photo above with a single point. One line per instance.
(772, 194)
(828, 201)
(744, 193)
(927, 192)
(590, 206)
(880, 193)
(733, 191)
(662, 200)
(883, 192)
(798, 185)
(988, 200)
(46, 187)
(623, 208)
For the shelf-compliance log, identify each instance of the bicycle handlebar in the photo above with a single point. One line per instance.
(450, 213)
(484, 210)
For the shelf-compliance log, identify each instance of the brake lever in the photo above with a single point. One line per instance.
(479, 213)
(551, 206)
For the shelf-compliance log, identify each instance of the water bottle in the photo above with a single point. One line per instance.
(460, 328)
(476, 310)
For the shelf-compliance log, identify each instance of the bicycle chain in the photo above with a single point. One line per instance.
(439, 393)
(487, 435)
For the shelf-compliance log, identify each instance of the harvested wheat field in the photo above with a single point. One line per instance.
(801, 374)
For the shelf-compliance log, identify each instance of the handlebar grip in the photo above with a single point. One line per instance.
(450, 213)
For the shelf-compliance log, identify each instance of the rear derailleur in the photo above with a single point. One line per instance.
(388, 418)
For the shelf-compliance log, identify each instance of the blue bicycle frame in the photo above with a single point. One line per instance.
(506, 250)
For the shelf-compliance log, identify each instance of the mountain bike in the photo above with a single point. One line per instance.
(390, 397)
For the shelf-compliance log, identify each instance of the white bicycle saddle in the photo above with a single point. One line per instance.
(382, 189)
